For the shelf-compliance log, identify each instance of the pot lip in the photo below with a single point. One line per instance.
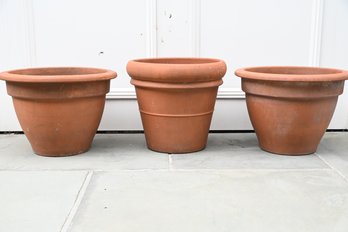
(31, 75)
(288, 73)
(177, 69)
(184, 61)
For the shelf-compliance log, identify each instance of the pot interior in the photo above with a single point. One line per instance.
(178, 60)
(58, 71)
(293, 70)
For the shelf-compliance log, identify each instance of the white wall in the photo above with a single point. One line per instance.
(108, 33)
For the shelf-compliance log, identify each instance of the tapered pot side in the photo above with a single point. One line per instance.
(290, 108)
(176, 98)
(59, 109)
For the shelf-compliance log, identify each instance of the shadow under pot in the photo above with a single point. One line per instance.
(59, 109)
(290, 108)
(176, 98)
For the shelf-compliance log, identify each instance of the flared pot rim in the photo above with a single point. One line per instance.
(177, 69)
(177, 60)
(292, 73)
(57, 74)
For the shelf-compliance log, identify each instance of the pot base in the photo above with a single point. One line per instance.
(39, 153)
(174, 153)
(176, 135)
(274, 152)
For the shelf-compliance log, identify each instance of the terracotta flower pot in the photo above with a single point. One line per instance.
(59, 109)
(291, 107)
(176, 98)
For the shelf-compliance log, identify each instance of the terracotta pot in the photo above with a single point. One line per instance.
(176, 98)
(59, 109)
(291, 107)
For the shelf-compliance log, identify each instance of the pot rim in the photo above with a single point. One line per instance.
(292, 73)
(177, 69)
(180, 61)
(57, 74)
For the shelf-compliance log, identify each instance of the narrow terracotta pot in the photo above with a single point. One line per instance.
(59, 109)
(176, 98)
(290, 108)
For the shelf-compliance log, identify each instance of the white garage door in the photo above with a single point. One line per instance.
(107, 33)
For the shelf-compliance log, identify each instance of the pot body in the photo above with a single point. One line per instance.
(59, 119)
(176, 117)
(290, 117)
(176, 98)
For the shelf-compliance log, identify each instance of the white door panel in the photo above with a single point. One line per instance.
(108, 33)
(334, 51)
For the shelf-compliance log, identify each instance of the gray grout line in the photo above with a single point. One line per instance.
(333, 168)
(49, 170)
(83, 170)
(236, 169)
(215, 170)
(168, 169)
(77, 202)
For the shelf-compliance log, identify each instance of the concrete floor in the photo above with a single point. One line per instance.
(119, 185)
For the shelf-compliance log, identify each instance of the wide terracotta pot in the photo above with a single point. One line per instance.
(59, 109)
(176, 98)
(290, 108)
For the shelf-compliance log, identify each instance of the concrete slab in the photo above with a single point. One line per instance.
(108, 152)
(129, 152)
(308, 200)
(334, 151)
(37, 201)
(241, 151)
